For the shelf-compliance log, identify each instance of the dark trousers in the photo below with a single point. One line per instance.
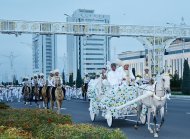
(53, 93)
(47, 90)
(64, 91)
(40, 92)
(86, 87)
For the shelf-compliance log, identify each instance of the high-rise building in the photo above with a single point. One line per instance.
(87, 53)
(44, 53)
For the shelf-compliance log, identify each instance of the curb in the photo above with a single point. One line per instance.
(180, 96)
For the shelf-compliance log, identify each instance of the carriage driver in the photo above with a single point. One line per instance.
(41, 83)
(57, 81)
(147, 79)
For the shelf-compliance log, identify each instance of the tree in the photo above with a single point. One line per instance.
(71, 79)
(175, 82)
(186, 78)
(14, 80)
(63, 77)
(79, 81)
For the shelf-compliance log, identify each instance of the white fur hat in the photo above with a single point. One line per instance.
(56, 71)
(41, 74)
(125, 63)
(26, 78)
(146, 67)
(35, 75)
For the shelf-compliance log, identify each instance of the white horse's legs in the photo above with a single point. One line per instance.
(148, 118)
(154, 119)
(139, 109)
(162, 118)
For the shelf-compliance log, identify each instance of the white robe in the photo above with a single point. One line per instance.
(128, 75)
(113, 78)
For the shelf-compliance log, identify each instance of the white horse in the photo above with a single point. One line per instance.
(156, 102)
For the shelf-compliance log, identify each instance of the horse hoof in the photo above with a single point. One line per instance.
(136, 126)
(151, 131)
(155, 135)
(158, 129)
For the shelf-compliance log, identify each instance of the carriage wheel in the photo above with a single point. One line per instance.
(92, 116)
(143, 118)
(109, 121)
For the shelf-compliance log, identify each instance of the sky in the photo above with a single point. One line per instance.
(123, 12)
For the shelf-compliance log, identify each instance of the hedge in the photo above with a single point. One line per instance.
(44, 124)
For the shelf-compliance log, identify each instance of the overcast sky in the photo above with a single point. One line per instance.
(128, 12)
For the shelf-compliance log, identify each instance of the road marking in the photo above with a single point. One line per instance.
(186, 99)
(136, 121)
(188, 113)
(62, 108)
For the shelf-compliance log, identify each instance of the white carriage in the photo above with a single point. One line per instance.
(111, 101)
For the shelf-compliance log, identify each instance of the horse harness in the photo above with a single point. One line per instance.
(159, 98)
(154, 94)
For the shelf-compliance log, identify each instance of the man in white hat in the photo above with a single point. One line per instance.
(56, 81)
(34, 84)
(50, 80)
(146, 76)
(113, 77)
(127, 74)
(41, 83)
(25, 83)
(119, 68)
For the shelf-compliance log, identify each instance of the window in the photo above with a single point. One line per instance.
(93, 58)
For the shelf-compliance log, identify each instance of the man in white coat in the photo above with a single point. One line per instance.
(50, 84)
(113, 77)
(56, 81)
(41, 83)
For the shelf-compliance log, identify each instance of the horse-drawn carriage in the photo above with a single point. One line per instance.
(119, 101)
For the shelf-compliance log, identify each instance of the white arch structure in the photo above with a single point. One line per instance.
(154, 38)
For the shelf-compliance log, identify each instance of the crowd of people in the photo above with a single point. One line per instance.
(115, 74)
(121, 73)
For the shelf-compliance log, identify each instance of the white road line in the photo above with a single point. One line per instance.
(186, 99)
(188, 113)
(136, 121)
(61, 108)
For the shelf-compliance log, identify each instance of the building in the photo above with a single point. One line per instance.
(173, 58)
(44, 53)
(87, 53)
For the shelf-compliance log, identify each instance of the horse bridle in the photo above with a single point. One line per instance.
(159, 98)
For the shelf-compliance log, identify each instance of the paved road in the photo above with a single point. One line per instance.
(176, 126)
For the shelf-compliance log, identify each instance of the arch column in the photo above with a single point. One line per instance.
(154, 52)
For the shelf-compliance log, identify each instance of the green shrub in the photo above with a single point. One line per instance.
(45, 124)
(30, 120)
(86, 131)
(13, 133)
